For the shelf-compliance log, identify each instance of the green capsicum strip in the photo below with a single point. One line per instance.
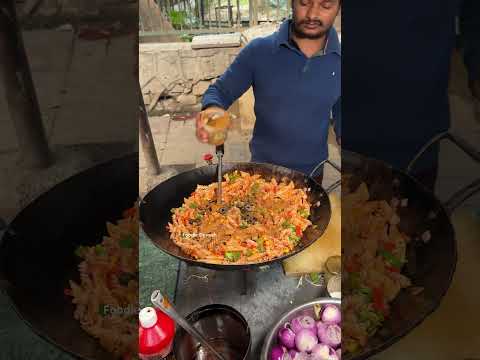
(233, 256)
(391, 259)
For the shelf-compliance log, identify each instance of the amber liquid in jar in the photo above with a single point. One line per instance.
(216, 126)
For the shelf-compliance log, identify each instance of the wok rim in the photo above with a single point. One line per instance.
(437, 303)
(234, 267)
(10, 289)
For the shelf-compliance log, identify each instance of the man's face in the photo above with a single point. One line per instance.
(313, 18)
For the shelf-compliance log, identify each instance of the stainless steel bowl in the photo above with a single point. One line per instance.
(305, 309)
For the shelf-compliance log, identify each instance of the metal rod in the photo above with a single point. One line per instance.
(219, 151)
(199, 8)
(230, 19)
(267, 4)
(253, 14)
(239, 16)
(20, 91)
(190, 14)
(209, 15)
(146, 139)
(217, 13)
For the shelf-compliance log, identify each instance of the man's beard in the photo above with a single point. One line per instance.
(302, 35)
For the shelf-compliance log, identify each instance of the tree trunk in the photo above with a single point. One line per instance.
(253, 12)
(151, 17)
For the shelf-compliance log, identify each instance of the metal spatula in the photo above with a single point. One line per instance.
(219, 151)
(159, 301)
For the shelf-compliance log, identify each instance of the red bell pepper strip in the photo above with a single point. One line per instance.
(378, 299)
(298, 230)
(392, 269)
(389, 246)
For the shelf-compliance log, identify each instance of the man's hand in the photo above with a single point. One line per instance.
(202, 118)
(339, 141)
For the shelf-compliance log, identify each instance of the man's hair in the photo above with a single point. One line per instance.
(339, 2)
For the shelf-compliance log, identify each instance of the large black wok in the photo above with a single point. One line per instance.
(430, 265)
(37, 253)
(156, 205)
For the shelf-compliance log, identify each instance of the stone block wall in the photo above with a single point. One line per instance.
(174, 77)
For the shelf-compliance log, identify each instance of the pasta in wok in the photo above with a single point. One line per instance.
(106, 298)
(257, 220)
(374, 256)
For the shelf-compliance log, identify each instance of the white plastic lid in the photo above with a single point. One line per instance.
(147, 317)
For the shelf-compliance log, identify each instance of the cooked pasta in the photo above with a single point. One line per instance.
(258, 220)
(374, 255)
(106, 298)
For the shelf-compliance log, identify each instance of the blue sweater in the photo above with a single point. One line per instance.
(396, 73)
(294, 97)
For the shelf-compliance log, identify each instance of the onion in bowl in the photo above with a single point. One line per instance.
(315, 328)
(302, 322)
(331, 314)
(305, 340)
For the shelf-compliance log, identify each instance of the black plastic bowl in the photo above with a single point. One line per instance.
(226, 329)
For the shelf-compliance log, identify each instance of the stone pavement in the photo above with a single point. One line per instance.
(83, 100)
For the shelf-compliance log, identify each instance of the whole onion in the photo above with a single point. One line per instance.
(323, 352)
(295, 355)
(331, 314)
(330, 335)
(292, 353)
(305, 340)
(320, 325)
(302, 322)
(278, 353)
(287, 337)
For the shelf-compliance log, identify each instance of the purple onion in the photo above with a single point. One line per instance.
(331, 314)
(330, 335)
(278, 353)
(305, 340)
(302, 322)
(323, 352)
(295, 355)
(287, 337)
(292, 353)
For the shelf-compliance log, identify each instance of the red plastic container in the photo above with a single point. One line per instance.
(155, 334)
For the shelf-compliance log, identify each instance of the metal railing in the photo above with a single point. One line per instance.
(214, 16)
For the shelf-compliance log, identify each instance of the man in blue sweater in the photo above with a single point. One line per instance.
(295, 74)
(396, 74)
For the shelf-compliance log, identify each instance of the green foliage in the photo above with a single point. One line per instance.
(177, 18)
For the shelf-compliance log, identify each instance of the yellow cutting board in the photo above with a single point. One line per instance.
(329, 244)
